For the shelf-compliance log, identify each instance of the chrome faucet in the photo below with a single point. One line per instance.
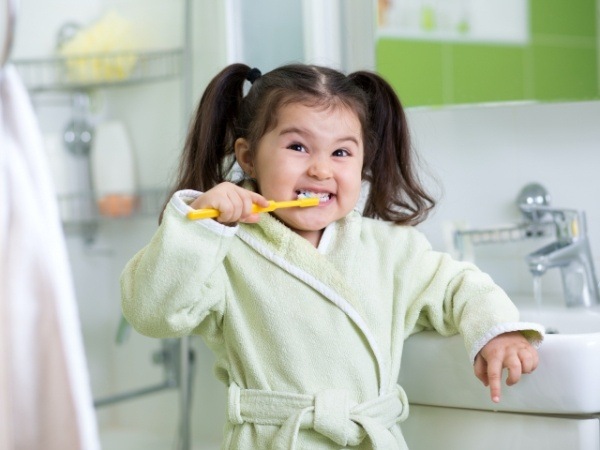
(570, 253)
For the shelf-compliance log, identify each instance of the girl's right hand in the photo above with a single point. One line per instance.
(234, 203)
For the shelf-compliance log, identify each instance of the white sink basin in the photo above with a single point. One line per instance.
(436, 370)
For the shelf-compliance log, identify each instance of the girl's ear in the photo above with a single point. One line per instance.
(244, 156)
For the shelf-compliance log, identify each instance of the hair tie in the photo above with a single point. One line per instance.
(253, 75)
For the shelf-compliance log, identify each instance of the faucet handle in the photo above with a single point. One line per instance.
(533, 195)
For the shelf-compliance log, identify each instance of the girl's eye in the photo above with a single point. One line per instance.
(297, 147)
(341, 152)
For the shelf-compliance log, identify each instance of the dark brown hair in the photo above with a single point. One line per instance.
(225, 114)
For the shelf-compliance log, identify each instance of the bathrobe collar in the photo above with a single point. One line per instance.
(324, 273)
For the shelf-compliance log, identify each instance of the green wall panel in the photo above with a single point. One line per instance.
(413, 68)
(563, 18)
(564, 73)
(559, 63)
(486, 73)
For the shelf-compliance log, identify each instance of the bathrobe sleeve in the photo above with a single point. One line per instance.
(176, 281)
(453, 296)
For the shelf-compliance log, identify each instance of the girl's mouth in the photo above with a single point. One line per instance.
(322, 196)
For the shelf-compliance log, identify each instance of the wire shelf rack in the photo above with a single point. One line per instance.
(464, 240)
(99, 70)
(504, 234)
(82, 212)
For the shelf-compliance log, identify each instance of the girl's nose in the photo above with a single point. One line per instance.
(320, 168)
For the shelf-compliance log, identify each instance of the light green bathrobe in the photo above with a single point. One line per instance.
(309, 340)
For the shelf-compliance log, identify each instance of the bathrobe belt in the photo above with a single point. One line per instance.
(329, 412)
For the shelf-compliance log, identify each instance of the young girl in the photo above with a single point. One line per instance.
(307, 309)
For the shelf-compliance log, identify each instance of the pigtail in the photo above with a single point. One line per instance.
(396, 192)
(207, 156)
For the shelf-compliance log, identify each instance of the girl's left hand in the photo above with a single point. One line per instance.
(508, 350)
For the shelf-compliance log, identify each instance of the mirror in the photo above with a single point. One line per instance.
(448, 52)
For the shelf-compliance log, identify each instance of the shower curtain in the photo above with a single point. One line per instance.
(45, 397)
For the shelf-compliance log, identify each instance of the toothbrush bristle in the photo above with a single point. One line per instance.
(322, 197)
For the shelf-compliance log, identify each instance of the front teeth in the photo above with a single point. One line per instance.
(322, 196)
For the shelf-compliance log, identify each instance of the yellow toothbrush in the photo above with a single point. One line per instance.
(209, 213)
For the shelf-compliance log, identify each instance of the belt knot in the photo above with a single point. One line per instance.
(330, 412)
(332, 415)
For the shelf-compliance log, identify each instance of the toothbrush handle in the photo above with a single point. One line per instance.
(211, 213)
(206, 213)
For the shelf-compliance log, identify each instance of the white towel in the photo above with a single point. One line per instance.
(45, 396)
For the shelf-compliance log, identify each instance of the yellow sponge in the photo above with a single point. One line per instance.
(101, 52)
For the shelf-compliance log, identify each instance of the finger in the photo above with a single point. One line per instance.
(513, 364)
(528, 360)
(226, 213)
(494, 374)
(231, 209)
(249, 201)
(480, 369)
(259, 200)
(248, 216)
(535, 357)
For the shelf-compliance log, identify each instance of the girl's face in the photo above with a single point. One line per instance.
(311, 150)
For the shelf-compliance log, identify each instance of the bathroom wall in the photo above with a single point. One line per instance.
(483, 156)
